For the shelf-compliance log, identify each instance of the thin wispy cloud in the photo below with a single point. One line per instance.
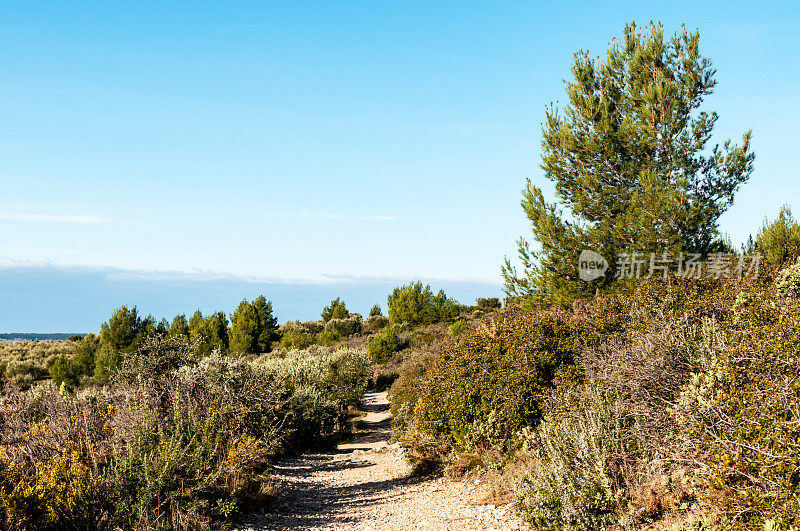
(117, 274)
(361, 279)
(53, 218)
(344, 217)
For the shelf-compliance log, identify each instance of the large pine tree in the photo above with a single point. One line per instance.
(630, 158)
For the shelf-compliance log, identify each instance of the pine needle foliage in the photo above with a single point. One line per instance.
(632, 164)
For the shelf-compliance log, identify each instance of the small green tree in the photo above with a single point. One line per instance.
(107, 359)
(83, 354)
(122, 333)
(375, 310)
(778, 241)
(415, 304)
(179, 326)
(124, 330)
(267, 323)
(62, 371)
(162, 327)
(210, 333)
(215, 334)
(253, 326)
(629, 159)
(244, 329)
(196, 325)
(335, 310)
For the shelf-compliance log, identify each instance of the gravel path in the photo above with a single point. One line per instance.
(367, 485)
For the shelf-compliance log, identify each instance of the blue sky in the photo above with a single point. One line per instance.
(270, 142)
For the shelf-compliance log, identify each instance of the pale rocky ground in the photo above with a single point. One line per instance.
(367, 484)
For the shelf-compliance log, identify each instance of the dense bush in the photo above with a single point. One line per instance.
(488, 384)
(490, 303)
(344, 327)
(740, 414)
(660, 402)
(383, 345)
(341, 373)
(608, 451)
(416, 305)
(295, 338)
(375, 310)
(568, 483)
(374, 323)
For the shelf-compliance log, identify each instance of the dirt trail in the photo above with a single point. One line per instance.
(366, 484)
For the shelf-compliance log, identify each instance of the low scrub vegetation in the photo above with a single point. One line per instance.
(384, 345)
(23, 362)
(174, 424)
(174, 440)
(672, 399)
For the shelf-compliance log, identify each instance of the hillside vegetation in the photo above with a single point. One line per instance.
(173, 440)
(659, 402)
(154, 426)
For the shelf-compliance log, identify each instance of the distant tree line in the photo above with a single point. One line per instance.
(253, 329)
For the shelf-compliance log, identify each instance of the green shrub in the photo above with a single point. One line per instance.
(375, 311)
(488, 384)
(779, 241)
(384, 345)
(294, 338)
(156, 359)
(458, 327)
(346, 327)
(107, 359)
(64, 372)
(326, 338)
(406, 390)
(488, 303)
(343, 373)
(375, 323)
(569, 484)
(83, 354)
